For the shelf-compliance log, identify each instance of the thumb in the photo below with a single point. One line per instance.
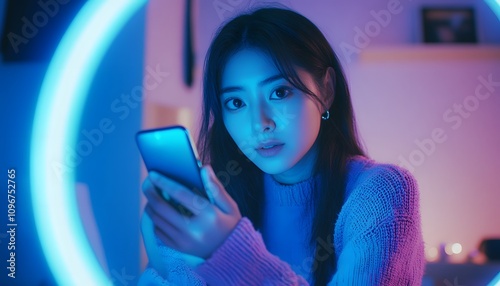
(216, 190)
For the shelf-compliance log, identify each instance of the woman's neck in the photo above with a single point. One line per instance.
(301, 171)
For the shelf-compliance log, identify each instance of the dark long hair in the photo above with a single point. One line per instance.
(290, 40)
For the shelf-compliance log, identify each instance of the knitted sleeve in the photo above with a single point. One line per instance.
(244, 260)
(241, 260)
(166, 266)
(378, 238)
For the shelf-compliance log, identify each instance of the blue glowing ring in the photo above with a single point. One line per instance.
(495, 7)
(61, 100)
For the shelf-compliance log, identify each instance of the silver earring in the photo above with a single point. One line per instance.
(325, 115)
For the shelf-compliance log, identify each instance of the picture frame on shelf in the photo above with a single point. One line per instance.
(449, 25)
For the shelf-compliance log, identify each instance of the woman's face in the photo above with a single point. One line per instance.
(274, 124)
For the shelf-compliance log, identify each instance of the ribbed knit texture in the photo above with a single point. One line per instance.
(378, 239)
(244, 260)
(176, 268)
(286, 211)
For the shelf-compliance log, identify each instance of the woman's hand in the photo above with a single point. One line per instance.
(200, 234)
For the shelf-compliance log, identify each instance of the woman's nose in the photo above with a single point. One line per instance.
(262, 119)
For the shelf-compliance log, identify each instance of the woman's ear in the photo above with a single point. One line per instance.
(329, 87)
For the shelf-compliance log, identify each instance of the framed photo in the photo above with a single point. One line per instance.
(449, 25)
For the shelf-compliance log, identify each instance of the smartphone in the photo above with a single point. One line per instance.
(170, 151)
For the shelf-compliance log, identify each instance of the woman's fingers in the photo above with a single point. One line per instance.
(171, 227)
(221, 198)
(179, 193)
(166, 217)
(198, 235)
(153, 194)
(159, 220)
(165, 237)
(163, 210)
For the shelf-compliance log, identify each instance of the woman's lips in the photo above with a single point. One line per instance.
(269, 150)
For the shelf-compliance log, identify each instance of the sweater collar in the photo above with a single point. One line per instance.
(298, 194)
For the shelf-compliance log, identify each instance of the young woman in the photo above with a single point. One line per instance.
(296, 201)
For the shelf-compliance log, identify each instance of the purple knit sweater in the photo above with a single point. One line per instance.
(378, 239)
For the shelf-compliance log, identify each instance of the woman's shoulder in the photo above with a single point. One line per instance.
(380, 220)
(385, 181)
(376, 193)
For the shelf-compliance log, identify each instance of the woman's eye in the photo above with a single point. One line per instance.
(234, 103)
(280, 93)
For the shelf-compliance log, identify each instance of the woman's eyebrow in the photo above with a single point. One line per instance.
(261, 83)
(271, 79)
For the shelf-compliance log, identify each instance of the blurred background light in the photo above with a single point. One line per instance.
(456, 248)
(431, 254)
(453, 248)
